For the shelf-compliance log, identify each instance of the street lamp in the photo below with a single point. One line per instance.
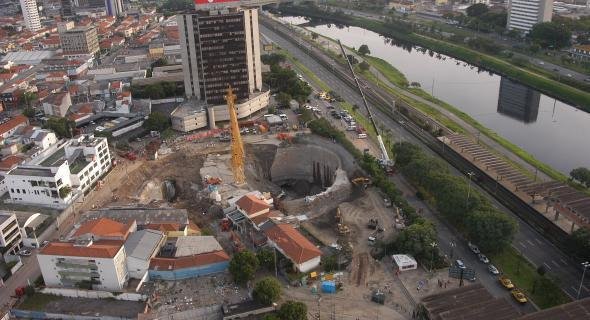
(453, 245)
(470, 175)
(585, 264)
(433, 245)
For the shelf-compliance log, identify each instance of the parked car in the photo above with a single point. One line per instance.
(519, 296)
(459, 263)
(506, 283)
(493, 270)
(24, 253)
(386, 201)
(482, 257)
(473, 248)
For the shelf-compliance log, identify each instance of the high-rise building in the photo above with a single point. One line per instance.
(220, 46)
(518, 101)
(79, 40)
(114, 7)
(67, 9)
(31, 14)
(524, 14)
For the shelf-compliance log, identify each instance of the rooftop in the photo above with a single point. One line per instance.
(34, 172)
(12, 123)
(159, 263)
(579, 309)
(292, 243)
(103, 227)
(141, 215)
(142, 244)
(97, 249)
(252, 204)
(188, 108)
(195, 245)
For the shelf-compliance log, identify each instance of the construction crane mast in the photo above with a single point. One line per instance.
(385, 160)
(237, 147)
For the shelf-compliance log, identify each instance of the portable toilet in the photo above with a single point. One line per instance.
(329, 287)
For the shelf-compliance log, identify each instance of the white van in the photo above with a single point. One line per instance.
(283, 117)
(362, 136)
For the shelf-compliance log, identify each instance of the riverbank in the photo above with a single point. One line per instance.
(404, 33)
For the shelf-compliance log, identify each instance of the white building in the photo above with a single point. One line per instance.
(60, 173)
(94, 259)
(141, 247)
(31, 14)
(42, 138)
(10, 236)
(524, 14)
(293, 245)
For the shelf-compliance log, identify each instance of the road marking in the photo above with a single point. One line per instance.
(546, 265)
(530, 242)
(585, 288)
(555, 263)
(522, 244)
(539, 241)
(575, 290)
(563, 261)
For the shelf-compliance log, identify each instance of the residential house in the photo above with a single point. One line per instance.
(9, 127)
(57, 104)
(293, 245)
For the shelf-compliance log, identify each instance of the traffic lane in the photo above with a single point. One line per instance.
(324, 74)
(28, 273)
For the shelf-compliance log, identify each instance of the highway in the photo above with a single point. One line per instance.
(528, 241)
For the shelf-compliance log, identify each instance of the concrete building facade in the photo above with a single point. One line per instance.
(114, 7)
(524, 14)
(220, 47)
(79, 41)
(10, 235)
(31, 14)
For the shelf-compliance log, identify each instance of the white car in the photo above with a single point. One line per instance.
(483, 258)
(24, 253)
(473, 248)
(493, 270)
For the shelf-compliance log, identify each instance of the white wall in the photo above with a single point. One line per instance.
(22, 191)
(137, 268)
(309, 264)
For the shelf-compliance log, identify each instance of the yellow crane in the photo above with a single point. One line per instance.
(237, 147)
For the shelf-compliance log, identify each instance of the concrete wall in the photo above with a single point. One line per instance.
(94, 294)
(26, 314)
(187, 273)
(304, 162)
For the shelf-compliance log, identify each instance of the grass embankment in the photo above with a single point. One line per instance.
(388, 71)
(578, 97)
(310, 75)
(542, 290)
(37, 302)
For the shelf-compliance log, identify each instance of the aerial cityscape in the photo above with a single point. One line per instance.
(295, 159)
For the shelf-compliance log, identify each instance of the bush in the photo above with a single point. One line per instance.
(292, 310)
(243, 266)
(266, 259)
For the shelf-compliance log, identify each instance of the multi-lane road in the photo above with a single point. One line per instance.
(531, 244)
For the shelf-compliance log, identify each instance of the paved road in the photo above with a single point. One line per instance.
(548, 66)
(538, 250)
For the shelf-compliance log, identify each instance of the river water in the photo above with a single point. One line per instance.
(553, 131)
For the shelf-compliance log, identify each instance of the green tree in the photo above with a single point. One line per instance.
(273, 58)
(157, 121)
(492, 231)
(271, 316)
(267, 291)
(578, 244)
(364, 50)
(581, 175)
(64, 191)
(416, 240)
(353, 60)
(266, 259)
(26, 98)
(330, 263)
(283, 99)
(314, 36)
(293, 310)
(476, 10)
(550, 35)
(364, 66)
(243, 266)
(63, 127)
(29, 112)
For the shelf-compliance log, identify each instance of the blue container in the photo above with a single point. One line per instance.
(329, 287)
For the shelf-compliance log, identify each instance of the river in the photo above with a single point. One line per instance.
(554, 132)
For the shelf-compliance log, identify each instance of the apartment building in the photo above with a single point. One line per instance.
(55, 177)
(31, 14)
(79, 41)
(10, 235)
(94, 258)
(114, 7)
(524, 14)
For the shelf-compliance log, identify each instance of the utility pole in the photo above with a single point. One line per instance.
(433, 245)
(453, 245)
(585, 264)
(469, 174)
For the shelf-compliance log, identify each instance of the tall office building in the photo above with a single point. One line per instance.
(524, 14)
(518, 101)
(67, 9)
(220, 46)
(79, 40)
(31, 14)
(114, 7)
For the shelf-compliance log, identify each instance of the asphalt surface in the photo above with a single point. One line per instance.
(531, 244)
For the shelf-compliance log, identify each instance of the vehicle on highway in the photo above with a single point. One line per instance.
(493, 270)
(473, 248)
(362, 136)
(459, 263)
(24, 253)
(506, 283)
(569, 75)
(482, 257)
(519, 296)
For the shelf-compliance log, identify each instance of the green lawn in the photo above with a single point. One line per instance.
(37, 302)
(524, 275)
(388, 71)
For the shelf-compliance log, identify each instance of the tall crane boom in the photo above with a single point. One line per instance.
(237, 147)
(384, 155)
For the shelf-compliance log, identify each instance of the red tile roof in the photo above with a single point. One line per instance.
(13, 123)
(251, 204)
(10, 162)
(104, 227)
(98, 249)
(163, 264)
(164, 227)
(258, 220)
(292, 243)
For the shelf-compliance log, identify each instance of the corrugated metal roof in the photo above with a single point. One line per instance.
(142, 244)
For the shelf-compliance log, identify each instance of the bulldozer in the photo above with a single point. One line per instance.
(361, 181)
